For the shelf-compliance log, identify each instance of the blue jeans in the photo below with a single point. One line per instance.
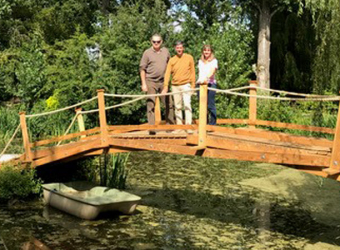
(211, 117)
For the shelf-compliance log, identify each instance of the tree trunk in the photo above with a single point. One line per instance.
(263, 46)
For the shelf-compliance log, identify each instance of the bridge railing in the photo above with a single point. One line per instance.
(252, 121)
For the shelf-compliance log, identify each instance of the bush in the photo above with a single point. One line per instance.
(18, 184)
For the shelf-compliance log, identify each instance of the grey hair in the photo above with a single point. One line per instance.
(156, 35)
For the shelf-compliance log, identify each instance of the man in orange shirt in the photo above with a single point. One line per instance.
(182, 69)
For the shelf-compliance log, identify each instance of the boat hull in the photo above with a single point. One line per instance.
(86, 205)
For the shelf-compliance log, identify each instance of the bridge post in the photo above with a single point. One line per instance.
(202, 126)
(334, 167)
(80, 119)
(158, 116)
(26, 140)
(102, 118)
(252, 104)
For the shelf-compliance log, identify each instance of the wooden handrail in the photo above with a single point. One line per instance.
(278, 125)
(65, 137)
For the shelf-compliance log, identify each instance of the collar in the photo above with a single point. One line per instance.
(160, 50)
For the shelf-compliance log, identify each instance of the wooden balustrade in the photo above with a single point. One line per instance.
(202, 125)
(252, 104)
(27, 147)
(158, 116)
(335, 158)
(81, 124)
(102, 118)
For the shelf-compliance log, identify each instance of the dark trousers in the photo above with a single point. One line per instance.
(156, 88)
(211, 116)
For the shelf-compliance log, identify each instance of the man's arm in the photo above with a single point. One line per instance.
(192, 69)
(167, 78)
(142, 67)
(143, 79)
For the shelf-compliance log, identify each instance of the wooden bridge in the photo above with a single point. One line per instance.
(250, 143)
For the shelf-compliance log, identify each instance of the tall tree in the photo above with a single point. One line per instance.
(264, 10)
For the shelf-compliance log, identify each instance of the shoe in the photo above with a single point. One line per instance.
(151, 132)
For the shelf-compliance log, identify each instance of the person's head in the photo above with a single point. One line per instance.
(179, 47)
(207, 53)
(156, 41)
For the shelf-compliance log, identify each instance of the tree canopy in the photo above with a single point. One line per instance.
(46, 60)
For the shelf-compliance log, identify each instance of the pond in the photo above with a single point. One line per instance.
(194, 203)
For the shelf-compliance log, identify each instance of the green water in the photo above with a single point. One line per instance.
(194, 203)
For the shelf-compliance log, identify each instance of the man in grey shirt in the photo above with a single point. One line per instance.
(152, 69)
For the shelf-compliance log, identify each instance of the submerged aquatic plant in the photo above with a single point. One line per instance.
(113, 171)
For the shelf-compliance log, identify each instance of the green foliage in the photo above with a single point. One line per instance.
(9, 120)
(113, 171)
(18, 184)
(107, 170)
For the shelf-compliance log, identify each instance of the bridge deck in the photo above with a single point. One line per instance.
(306, 153)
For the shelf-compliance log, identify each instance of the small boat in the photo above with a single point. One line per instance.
(86, 200)
(8, 157)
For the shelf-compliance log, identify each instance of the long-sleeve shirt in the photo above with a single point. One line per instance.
(182, 70)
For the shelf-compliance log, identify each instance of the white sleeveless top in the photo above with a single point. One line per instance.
(204, 70)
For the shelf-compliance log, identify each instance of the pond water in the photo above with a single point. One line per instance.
(194, 203)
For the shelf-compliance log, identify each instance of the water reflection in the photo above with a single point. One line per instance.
(189, 204)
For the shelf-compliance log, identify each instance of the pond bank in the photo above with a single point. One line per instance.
(195, 203)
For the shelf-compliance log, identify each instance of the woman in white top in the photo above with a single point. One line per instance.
(207, 67)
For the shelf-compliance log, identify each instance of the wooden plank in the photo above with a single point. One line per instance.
(203, 109)
(127, 128)
(170, 141)
(277, 136)
(65, 137)
(331, 171)
(59, 153)
(270, 142)
(252, 103)
(259, 145)
(335, 159)
(102, 118)
(80, 119)
(26, 140)
(94, 153)
(158, 117)
(278, 125)
(105, 151)
(295, 126)
(39, 153)
(291, 159)
(232, 121)
(162, 147)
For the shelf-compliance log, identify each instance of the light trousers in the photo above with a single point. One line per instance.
(180, 100)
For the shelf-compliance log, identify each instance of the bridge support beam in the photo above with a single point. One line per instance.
(80, 119)
(252, 104)
(202, 126)
(102, 118)
(28, 152)
(334, 167)
(158, 116)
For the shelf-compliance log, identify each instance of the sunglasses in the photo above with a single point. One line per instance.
(156, 42)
